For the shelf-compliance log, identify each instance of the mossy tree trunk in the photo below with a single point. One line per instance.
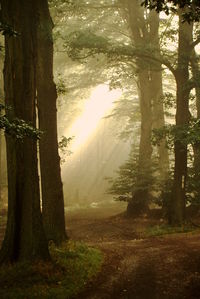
(25, 238)
(52, 189)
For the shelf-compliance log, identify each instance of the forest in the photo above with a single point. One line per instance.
(99, 149)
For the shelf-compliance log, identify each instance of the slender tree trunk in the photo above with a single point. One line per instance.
(182, 119)
(1, 134)
(196, 147)
(159, 122)
(52, 189)
(156, 90)
(0, 168)
(140, 199)
(24, 238)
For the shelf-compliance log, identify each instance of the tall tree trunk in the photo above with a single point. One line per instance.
(24, 238)
(196, 147)
(1, 134)
(159, 122)
(140, 197)
(52, 189)
(156, 90)
(0, 167)
(182, 119)
(145, 34)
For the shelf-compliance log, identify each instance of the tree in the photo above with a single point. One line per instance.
(24, 238)
(145, 35)
(191, 12)
(196, 148)
(145, 57)
(188, 11)
(52, 189)
(182, 118)
(1, 139)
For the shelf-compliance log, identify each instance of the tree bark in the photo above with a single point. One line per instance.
(24, 238)
(145, 34)
(156, 91)
(196, 147)
(1, 134)
(140, 197)
(182, 118)
(0, 167)
(52, 189)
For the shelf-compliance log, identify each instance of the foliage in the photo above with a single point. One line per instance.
(185, 134)
(60, 86)
(122, 185)
(6, 29)
(168, 100)
(63, 145)
(193, 186)
(82, 40)
(18, 128)
(164, 229)
(85, 43)
(192, 7)
(72, 266)
(130, 178)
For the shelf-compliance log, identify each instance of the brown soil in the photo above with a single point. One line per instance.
(135, 266)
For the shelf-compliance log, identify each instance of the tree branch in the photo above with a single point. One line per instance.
(195, 42)
(98, 45)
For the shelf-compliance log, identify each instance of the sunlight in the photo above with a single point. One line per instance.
(96, 107)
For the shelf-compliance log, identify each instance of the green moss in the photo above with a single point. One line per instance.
(72, 266)
(159, 230)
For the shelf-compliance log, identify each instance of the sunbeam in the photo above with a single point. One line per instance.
(98, 105)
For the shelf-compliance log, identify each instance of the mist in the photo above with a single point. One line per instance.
(99, 149)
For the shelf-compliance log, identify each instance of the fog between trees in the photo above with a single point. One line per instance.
(127, 82)
(147, 58)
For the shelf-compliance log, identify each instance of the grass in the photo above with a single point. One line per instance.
(159, 230)
(72, 266)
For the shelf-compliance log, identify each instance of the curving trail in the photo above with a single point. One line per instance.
(135, 267)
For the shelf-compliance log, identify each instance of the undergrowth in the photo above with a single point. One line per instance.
(164, 229)
(72, 266)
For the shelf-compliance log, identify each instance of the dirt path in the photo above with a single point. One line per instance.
(136, 267)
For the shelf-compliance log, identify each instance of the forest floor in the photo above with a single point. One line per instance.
(142, 259)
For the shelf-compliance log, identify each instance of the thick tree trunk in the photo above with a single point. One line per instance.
(24, 238)
(182, 119)
(140, 197)
(145, 34)
(52, 189)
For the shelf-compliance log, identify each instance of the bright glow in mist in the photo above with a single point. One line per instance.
(96, 107)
